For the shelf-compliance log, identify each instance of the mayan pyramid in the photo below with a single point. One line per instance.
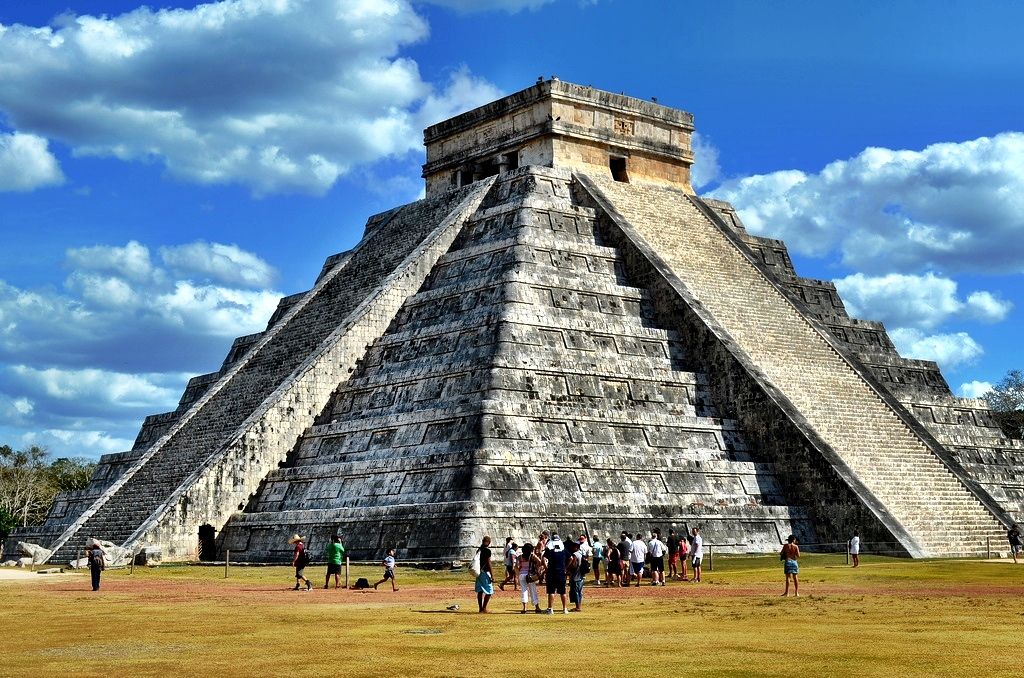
(561, 334)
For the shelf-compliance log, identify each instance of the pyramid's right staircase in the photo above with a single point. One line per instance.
(897, 471)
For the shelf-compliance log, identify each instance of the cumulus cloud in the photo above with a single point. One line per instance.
(974, 389)
(921, 301)
(950, 350)
(706, 169)
(26, 163)
(279, 96)
(949, 207)
(469, 6)
(78, 363)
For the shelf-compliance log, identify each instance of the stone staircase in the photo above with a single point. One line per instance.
(916, 488)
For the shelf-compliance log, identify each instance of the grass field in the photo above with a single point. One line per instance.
(889, 617)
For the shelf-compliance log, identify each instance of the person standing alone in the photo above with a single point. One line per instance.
(299, 561)
(790, 557)
(854, 546)
(335, 556)
(97, 563)
(485, 580)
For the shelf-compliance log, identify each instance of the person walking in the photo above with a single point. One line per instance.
(637, 558)
(335, 557)
(300, 558)
(529, 566)
(510, 555)
(1013, 536)
(656, 548)
(613, 570)
(577, 576)
(484, 580)
(697, 553)
(598, 557)
(97, 562)
(854, 547)
(389, 564)
(790, 556)
(555, 564)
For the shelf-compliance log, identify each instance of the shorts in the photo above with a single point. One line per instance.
(614, 567)
(1016, 548)
(791, 567)
(556, 583)
(388, 574)
(300, 572)
(333, 568)
(673, 558)
(638, 568)
(484, 584)
(697, 561)
(510, 571)
(657, 564)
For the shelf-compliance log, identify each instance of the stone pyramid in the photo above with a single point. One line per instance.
(560, 335)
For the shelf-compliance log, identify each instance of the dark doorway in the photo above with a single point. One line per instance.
(617, 164)
(207, 542)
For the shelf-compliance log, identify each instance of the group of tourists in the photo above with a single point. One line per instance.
(563, 566)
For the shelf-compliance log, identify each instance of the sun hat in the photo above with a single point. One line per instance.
(296, 538)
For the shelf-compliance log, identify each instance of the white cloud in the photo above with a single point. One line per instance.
(99, 387)
(921, 301)
(74, 442)
(706, 169)
(282, 96)
(26, 163)
(948, 207)
(974, 389)
(469, 6)
(948, 350)
(223, 263)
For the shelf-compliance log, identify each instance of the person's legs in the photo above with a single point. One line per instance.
(856, 559)
(565, 606)
(479, 601)
(95, 571)
(682, 572)
(786, 591)
(796, 584)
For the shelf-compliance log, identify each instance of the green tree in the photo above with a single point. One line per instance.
(1006, 400)
(25, 488)
(71, 473)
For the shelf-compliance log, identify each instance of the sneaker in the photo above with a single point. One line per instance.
(549, 611)
(654, 583)
(309, 586)
(565, 610)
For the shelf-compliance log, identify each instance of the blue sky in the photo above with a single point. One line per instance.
(167, 173)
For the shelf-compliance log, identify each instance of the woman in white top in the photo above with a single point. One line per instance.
(529, 566)
(855, 549)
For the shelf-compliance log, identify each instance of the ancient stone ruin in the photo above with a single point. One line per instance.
(560, 335)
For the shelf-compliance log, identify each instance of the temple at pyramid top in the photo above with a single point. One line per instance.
(565, 126)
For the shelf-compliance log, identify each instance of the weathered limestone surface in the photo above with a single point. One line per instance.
(913, 492)
(260, 406)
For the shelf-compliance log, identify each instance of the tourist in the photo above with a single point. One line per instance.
(554, 571)
(697, 553)
(577, 576)
(335, 556)
(510, 555)
(530, 566)
(598, 557)
(97, 561)
(484, 580)
(854, 547)
(656, 548)
(790, 555)
(1013, 536)
(624, 546)
(637, 558)
(540, 549)
(613, 569)
(299, 561)
(673, 554)
(684, 553)
(389, 570)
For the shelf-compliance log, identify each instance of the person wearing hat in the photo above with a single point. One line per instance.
(556, 560)
(95, 555)
(299, 561)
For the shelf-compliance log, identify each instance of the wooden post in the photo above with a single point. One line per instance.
(847, 553)
(346, 572)
(711, 559)
(988, 548)
(227, 559)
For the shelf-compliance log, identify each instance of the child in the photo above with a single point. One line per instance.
(389, 570)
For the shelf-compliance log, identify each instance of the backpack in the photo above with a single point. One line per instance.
(584, 565)
(303, 558)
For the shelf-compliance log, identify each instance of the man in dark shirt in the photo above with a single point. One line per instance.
(555, 558)
(673, 554)
(625, 543)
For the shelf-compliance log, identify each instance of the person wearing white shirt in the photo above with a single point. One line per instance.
(855, 548)
(637, 556)
(657, 549)
(697, 553)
